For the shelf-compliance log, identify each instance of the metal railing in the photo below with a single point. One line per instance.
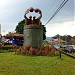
(70, 55)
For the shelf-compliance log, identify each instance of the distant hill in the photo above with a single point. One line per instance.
(48, 38)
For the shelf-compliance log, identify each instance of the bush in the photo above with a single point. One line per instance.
(6, 47)
(4, 51)
(43, 50)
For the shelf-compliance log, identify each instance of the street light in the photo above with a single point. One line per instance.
(58, 36)
(66, 39)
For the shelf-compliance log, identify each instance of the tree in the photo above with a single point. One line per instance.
(44, 31)
(72, 41)
(68, 38)
(20, 27)
(57, 36)
(73, 37)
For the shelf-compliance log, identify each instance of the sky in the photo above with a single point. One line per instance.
(12, 12)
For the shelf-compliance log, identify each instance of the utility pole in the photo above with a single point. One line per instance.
(58, 36)
(66, 39)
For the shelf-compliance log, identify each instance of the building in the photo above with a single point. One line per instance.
(56, 41)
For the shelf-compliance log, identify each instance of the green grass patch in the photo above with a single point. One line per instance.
(12, 64)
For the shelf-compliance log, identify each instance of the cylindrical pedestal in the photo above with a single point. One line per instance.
(33, 36)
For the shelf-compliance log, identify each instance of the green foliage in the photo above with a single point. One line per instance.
(20, 27)
(72, 41)
(44, 32)
(45, 42)
(5, 51)
(68, 38)
(6, 47)
(73, 37)
(11, 64)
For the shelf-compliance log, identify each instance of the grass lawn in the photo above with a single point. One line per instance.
(11, 64)
(73, 54)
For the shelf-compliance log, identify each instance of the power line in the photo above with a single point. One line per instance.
(55, 8)
(62, 4)
(52, 3)
(58, 9)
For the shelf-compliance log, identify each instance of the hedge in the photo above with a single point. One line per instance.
(6, 47)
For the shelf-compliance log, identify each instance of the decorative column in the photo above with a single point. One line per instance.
(33, 32)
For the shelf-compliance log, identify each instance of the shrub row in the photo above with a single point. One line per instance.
(6, 47)
(4, 51)
(43, 50)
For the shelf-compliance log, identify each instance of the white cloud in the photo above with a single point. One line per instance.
(3, 3)
(12, 12)
(61, 28)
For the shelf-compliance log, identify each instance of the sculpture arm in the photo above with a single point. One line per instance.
(39, 16)
(26, 12)
(25, 16)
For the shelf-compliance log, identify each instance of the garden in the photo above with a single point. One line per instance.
(20, 64)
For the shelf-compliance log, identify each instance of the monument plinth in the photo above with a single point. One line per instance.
(33, 32)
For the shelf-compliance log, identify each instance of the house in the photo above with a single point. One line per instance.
(8, 38)
(56, 41)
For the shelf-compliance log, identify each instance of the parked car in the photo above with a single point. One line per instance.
(69, 49)
(56, 46)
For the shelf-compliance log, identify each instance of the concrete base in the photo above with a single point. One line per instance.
(33, 36)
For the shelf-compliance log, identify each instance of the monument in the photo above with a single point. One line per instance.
(33, 31)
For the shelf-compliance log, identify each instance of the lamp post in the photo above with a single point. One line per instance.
(58, 36)
(66, 39)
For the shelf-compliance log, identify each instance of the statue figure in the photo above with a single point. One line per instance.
(27, 20)
(35, 21)
(31, 9)
(30, 19)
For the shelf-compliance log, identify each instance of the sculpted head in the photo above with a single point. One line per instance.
(36, 10)
(30, 17)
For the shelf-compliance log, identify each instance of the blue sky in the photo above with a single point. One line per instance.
(12, 11)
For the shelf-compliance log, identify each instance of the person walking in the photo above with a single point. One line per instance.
(14, 43)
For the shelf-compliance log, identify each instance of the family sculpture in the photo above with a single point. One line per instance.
(34, 21)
